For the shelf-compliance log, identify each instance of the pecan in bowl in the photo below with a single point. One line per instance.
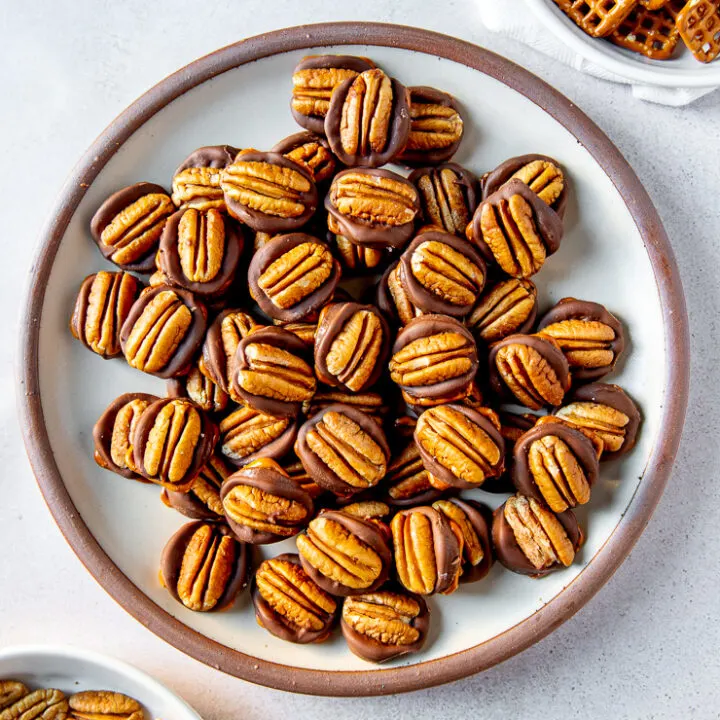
(392, 298)
(310, 151)
(47, 704)
(199, 388)
(104, 705)
(196, 182)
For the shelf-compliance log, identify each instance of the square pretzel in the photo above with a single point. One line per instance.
(653, 34)
(699, 26)
(597, 17)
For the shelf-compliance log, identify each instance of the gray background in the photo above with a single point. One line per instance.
(645, 647)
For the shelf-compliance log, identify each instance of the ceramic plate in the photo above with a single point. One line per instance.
(615, 251)
(682, 70)
(72, 670)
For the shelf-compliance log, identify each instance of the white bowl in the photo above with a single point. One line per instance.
(681, 71)
(72, 669)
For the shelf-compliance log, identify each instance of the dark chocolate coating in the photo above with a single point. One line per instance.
(445, 545)
(368, 533)
(615, 397)
(263, 222)
(480, 517)
(572, 309)
(103, 431)
(465, 179)
(495, 179)
(425, 326)
(174, 551)
(271, 482)
(201, 452)
(210, 156)
(316, 468)
(110, 208)
(168, 259)
(79, 316)
(509, 553)
(278, 337)
(267, 255)
(419, 295)
(372, 650)
(550, 352)
(184, 353)
(280, 625)
(296, 140)
(330, 326)
(548, 223)
(397, 133)
(580, 445)
(445, 474)
(428, 95)
(363, 232)
(316, 123)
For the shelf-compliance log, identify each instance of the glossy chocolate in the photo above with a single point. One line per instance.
(210, 156)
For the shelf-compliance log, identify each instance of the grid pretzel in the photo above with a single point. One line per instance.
(653, 34)
(699, 26)
(597, 17)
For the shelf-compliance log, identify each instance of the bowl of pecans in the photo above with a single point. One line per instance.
(376, 361)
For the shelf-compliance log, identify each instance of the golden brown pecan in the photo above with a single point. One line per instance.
(104, 705)
(123, 431)
(544, 178)
(532, 368)
(202, 501)
(38, 705)
(473, 551)
(403, 306)
(345, 555)
(204, 566)
(585, 343)
(368, 509)
(163, 330)
(197, 386)
(356, 257)
(101, 308)
(304, 330)
(11, 691)
(245, 432)
(384, 624)
(407, 479)
(608, 422)
(311, 151)
(506, 308)
(296, 274)
(201, 244)
(540, 535)
(459, 445)
(427, 551)
(371, 403)
(199, 188)
(289, 604)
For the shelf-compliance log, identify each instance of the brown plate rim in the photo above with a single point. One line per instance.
(431, 672)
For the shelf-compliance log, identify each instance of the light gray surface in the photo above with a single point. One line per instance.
(645, 647)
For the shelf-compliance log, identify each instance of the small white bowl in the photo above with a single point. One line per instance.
(681, 71)
(71, 670)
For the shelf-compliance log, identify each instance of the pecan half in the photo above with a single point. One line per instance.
(102, 306)
(268, 192)
(247, 434)
(354, 258)
(199, 388)
(11, 691)
(506, 308)
(293, 276)
(427, 551)
(202, 500)
(407, 479)
(104, 704)
(460, 446)
(344, 555)
(606, 411)
(556, 463)
(314, 80)
(368, 121)
(172, 442)
(38, 705)
(531, 369)
(529, 538)
(128, 225)
(351, 345)
(516, 229)
(442, 273)
(263, 505)
(196, 183)
(392, 297)
(447, 195)
(371, 207)
(270, 372)
(344, 450)
(434, 360)
(163, 331)
(436, 127)
(304, 330)
(204, 567)
(310, 151)
(371, 403)
(383, 625)
(591, 338)
(289, 604)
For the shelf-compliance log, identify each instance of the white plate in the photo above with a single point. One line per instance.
(72, 670)
(680, 71)
(602, 258)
